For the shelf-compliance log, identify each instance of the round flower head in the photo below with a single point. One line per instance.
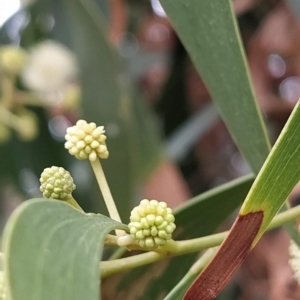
(57, 183)
(86, 141)
(152, 223)
(295, 260)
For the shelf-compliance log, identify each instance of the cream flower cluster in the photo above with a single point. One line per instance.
(152, 223)
(86, 141)
(57, 183)
(295, 260)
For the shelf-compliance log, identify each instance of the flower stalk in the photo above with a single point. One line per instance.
(107, 196)
(175, 248)
(87, 141)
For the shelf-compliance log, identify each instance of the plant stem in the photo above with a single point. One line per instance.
(284, 217)
(111, 240)
(175, 248)
(118, 265)
(26, 98)
(8, 89)
(118, 253)
(74, 203)
(8, 118)
(108, 199)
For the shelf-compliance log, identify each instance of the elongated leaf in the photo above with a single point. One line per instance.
(209, 32)
(198, 217)
(277, 178)
(52, 251)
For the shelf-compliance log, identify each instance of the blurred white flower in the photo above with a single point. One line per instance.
(51, 66)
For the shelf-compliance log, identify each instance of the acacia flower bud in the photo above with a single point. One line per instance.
(86, 141)
(295, 260)
(57, 183)
(151, 223)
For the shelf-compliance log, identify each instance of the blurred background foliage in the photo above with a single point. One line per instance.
(140, 82)
(107, 99)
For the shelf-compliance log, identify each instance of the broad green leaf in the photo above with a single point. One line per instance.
(198, 217)
(52, 251)
(209, 32)
(278, 176)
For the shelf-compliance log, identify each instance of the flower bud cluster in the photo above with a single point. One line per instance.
(57, 183)
(152, 223)
(86, 141)
(295, 260)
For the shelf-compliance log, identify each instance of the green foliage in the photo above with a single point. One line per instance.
(52, 251)
(212, 39)
(198, 217)
(279, 174)
(277, 178)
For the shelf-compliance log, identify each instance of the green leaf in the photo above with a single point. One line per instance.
(278, 176)
(198, 217)
(52, 251)
(209, 32)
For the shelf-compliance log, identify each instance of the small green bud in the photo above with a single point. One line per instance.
(86, 141)
(57, 183)
(152, 223)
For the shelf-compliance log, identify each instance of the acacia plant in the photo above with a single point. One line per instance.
(52, 249)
